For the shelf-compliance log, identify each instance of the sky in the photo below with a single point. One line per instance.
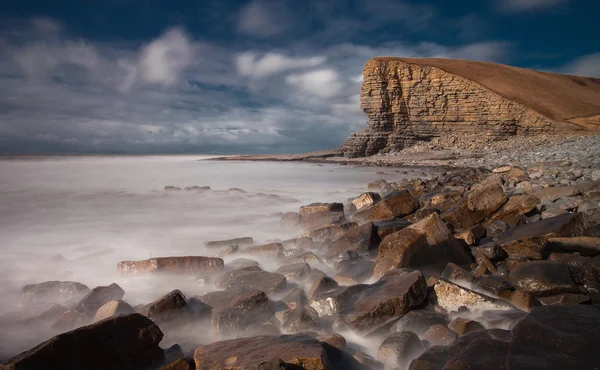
(258, 76)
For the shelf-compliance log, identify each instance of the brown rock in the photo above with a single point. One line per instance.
(542, 278)
(316, 215)
(366, 200)
(54, 292)
(302, 318)
(186, 265)
(266, 281)
(171, 309)
(385, 228)
(451, 297)
(516, 206)
(527, 240)
(248, 353)
(122, 342)
(584, 245)
(290, 220)
(464, 326)
(113, 308)
(475, 206)
(83, 311)
(271, 249)
(244, 241)
(399, 349)
(427, 243)
(363, 240)
(181, 364)
(392, 296)
(396, 204)
(440, 335)
(443, 200)
(328, 234)
(456, 274)
(296, 271)
(471, 235)
(552, 194)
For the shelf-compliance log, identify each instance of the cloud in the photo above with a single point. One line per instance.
(587, 65)
(322, 83)
(250, 65)
(262, 18)
(527, 5)
(163, 60)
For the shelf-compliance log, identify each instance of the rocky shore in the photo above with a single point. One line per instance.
(471, 269)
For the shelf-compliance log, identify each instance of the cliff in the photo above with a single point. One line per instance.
(408, 101)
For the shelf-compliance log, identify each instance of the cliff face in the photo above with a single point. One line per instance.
(408, 101)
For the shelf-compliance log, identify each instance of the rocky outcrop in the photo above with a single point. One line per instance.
(408, 101)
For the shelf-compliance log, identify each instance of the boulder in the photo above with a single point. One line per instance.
(378, 304)
(363, 240)
(296, 271)
(266, 281)
(290, 220)
(185, 265)
(451, 297)
(326, 235)
(366, 200)
(394, 205)
(269, 250)
(127, 342)
(399, 349)
(456, 274)
(542, 278)
(385, 228)
(113, 308)
(316, 215)
(301, 318)
(54, 292)
(463, 326)
(240, 242)
(171, 309)
(329, 302)
(427, 243)
(515, 206)
(440, 335)
(301, 350)
(418, 321)
(475, 206)
(354, 271)
(442, 201)
(527, 240)
(472, 235)
(302, 257)
(234, 309)
(181, 364)
(294, 297)
(84, 311)
(584, 245)
(552, 194)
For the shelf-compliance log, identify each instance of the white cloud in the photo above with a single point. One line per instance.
(587, 65)
(250, 65)
(263, 18)
(527, 5)
(164, 59)
(323, 83)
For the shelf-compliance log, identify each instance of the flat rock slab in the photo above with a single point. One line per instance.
(527, 240)
(188, 265)
(59, 292)
(552, 194)
(127, 342)
(248, 353)
(451, 297)
(240, 242)
(517, 205)
(542, 278)
(268, 282)
(584, 245)
(475, 206)
(389, 298)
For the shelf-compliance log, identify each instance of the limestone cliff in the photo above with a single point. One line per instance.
(408, 101)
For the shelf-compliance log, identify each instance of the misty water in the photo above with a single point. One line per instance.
(74, 218)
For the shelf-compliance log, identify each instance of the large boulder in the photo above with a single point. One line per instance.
(54, 292)
(171, 309)
(418, 321)
(187, 265)
(363, 240)
(316, 215)
(527, 240)
(378, 304)
(399, 349)
(553, 193)
(328, 234)
(451, 297)
(515, 207)
(394, 205)
(301, 350)
(584, 245)
(427, 243)
(234, 309)
(385, 228)
(366, 200)
(86, 308)
(113, 308)
(542, 278)
(127, 342)
(266, 281)
(476, 206)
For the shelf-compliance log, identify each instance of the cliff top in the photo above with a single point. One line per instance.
(560, 97)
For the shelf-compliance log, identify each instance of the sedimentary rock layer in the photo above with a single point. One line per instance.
(408, 101)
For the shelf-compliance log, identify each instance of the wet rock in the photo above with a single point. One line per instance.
(494, 350)
(392, 296)
(181, 364)
(564, 299)
(421, 214)
(244, 241)
(290, 220)
(427, 243)
(385, 228)
(354, 271)
(475, 206)
(492, 251)
(266, 281)
(363, 240)
(113, 308)
(316, 215)
(394, 205)
(184, 265)
(542, 278)
(269, 250)
(451, 297)
(171, 309)
(296, 271)
(399, 349)
(301, 318)
(515, 206)
(553, 212)
(456, 274)
(442, 201)
(83, 311)
(249, 353)
(54, 292)
(463, 326)
(329, 302)
(326, 235)
(527, 240)
(418, 321)
(303, 257)
(584, 245)
(235, 309)
(552, 194)
(227, 251)
(472, 235)
(173, 353)
(366, 200)
(440, 335)
(295, 297)
(495, 229)
(122, 342)
(493, 285)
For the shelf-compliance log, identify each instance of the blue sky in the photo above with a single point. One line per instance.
(260, 76)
